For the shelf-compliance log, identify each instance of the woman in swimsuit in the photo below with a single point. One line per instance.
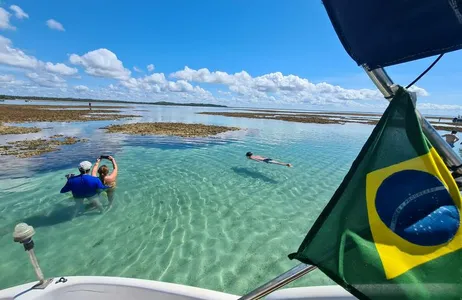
(106, 178)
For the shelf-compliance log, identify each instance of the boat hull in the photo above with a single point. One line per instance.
(116, 288)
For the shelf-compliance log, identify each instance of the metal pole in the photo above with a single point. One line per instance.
(280, 281)
(385, 85)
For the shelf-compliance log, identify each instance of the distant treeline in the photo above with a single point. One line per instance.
(12, 97)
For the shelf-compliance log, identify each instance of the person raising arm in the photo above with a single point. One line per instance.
(83, 187)
(106, 178)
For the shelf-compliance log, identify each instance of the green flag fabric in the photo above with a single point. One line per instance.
(392, 229)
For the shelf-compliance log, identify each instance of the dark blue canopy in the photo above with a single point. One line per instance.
(380, 33)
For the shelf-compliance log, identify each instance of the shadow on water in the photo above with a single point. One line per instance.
(60, 214)
(253, 174)
(175, 143)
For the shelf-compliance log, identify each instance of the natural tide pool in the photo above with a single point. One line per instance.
(191, 211)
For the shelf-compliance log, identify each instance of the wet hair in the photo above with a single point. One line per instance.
(454, 132)
(249, 154)
(103, 170)
(82, 171)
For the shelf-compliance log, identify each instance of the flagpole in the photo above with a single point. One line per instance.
(385, 85)
(278, 282)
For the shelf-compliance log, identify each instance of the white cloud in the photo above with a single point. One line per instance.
(157, 83)
(55, 25)
(60, 69)
(6, 78)
(419, 91)
(81, 88)
(136, 69)
(433, 106)
(101, 63)
(18, 12)
(5, 20)
(14, 57)
(150, 67)
(10, 81)
(47, 80)
(276, 87)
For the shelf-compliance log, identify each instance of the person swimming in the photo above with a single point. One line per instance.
(106, 178)
(267, 160)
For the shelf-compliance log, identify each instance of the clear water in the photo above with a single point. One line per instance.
(188, 211)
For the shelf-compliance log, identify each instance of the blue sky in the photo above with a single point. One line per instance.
(237, 53)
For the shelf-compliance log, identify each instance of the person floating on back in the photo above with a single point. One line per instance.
(105, 177)
(84, 186)
(267, 160)
(451, 138)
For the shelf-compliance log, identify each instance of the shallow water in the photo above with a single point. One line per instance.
(188, 211)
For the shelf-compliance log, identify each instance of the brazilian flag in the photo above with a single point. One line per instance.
(392, 229)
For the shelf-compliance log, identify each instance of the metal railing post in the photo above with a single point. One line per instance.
(280, 281)
(385, 86)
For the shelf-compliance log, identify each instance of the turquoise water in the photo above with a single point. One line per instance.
(188, 211)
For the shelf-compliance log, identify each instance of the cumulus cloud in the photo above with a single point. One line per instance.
(55, 25)
(47, 80)
(157, 83)
(276, 87)
(6, 78)
(433, 106)
(14, 57)
(11, 56)
(5, 20)
(150, 67)
(18, 12)
(136, 69)
(81, 88)
(419, 91)
(101, 63)
(60, 69)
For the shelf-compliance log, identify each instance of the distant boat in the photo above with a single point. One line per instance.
(457, 120)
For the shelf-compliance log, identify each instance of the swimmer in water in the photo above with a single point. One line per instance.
(106, 178)
(267, 160)
(451, 138)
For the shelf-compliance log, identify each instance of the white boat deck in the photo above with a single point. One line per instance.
(116, 288)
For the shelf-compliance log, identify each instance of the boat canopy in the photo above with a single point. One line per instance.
(378, 33)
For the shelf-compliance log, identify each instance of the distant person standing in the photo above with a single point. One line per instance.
(89, 105)
(451, 138)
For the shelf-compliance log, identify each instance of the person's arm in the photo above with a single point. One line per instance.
(100, 185)
(457, 139)
(66, 188)
(444, 135)
(115, 170)
(94, 171)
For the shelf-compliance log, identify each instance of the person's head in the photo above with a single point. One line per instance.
(103, 170)
(454, 132)
(249, 154)
(84, 167)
